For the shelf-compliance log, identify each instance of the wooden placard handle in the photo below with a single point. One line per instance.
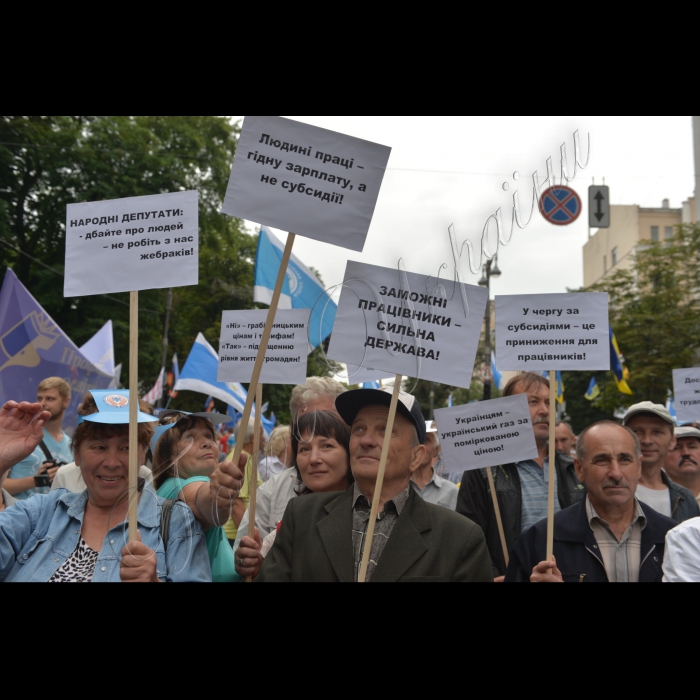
(133, 416)
(255, 458)
(552, 462)
(380, 480)
(259, 361)
(499, 520)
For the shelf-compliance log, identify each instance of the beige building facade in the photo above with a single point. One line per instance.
(612, 249)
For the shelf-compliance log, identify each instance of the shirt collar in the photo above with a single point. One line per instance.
(593, 515)
(398, 502)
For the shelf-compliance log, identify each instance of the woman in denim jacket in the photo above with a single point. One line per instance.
(69, 537)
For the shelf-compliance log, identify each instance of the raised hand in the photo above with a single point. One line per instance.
(21, 430)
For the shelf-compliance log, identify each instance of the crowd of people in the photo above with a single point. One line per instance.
(627, 495)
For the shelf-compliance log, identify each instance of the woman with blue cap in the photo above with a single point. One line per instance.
(80, 537)
(186, 467)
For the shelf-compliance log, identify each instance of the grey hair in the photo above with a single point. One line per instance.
(250, 431)
(315, 387)
(561, 422)
(580, 445)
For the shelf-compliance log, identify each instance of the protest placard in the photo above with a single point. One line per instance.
(538, 332)
(296, 177)
(125, 245)
(364, 375)
(287, 351)
(552, 332)
(486, 434)
(686, 391)
(400, 322)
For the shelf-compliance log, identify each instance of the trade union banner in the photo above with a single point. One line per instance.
(33, 347)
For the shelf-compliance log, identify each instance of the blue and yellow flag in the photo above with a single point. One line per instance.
(617, 366)
(560, 388)
(593, 390)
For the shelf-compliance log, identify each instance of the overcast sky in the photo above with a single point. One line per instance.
(451, 170)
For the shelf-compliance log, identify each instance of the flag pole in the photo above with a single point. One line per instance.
(133, 415)
(257, 369)
(253, 486)
(380, 480)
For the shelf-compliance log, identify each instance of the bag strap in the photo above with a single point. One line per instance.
(166, 514)
(45, 450)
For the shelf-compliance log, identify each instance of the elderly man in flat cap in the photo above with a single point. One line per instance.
(683, 464)
(322, 536)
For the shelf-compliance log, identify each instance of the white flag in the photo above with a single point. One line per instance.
(156, 393)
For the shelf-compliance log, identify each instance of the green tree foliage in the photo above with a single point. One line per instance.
(654, 313)
(49, 162)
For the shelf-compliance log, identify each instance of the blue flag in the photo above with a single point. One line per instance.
(200, 372)
(269, 424)
(33, 347)
(497, 376)
(301, 289)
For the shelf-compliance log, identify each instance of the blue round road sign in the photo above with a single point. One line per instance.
(561, 206)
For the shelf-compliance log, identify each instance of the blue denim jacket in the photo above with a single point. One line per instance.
(39, 534)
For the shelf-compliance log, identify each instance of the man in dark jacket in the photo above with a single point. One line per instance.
(323, 536)
(609, 536)
(522, 488)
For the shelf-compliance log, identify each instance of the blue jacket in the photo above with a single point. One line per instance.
(39, 534)
(576, 550)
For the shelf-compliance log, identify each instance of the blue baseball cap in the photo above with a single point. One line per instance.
(113, 409)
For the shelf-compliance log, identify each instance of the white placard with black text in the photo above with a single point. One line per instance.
(401, 323)
(287, 351)
(686, 394)
(363, 375)
(537, 332)
(126, 245)
(486, 434)
(314, 182)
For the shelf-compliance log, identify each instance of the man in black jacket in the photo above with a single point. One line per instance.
(609, 536)
(522, 488)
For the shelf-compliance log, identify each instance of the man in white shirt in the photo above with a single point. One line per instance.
(426, 483)
(654, 427)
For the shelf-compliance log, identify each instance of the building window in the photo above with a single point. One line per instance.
(655, 234)
(668, 231)
(614, 257)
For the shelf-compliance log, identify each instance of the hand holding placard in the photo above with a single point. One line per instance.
(549, 332)
(484, 435)
(125, 245)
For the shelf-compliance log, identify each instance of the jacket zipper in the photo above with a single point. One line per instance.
(646, 557)
(581, 577)
(601, 563)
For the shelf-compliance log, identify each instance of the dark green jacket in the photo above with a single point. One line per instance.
(475, 502)
(428, 544)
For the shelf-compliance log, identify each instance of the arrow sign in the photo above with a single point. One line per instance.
(599, 206)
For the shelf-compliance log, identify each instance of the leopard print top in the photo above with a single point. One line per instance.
(79, 567)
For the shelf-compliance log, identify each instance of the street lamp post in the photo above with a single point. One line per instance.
(490, 270)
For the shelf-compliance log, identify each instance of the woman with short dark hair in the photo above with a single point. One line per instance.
(321, 459)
